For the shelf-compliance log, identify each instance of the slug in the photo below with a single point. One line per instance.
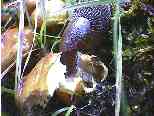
(86, 22)
(89, 22)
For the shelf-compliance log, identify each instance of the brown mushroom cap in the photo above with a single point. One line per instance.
(31, 5)
(9, 45)
(55, 18)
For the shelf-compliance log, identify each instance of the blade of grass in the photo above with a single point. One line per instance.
(19, 44)
(10, 91)
(43, 13)
(70, 110)
(117, 41)
(7, 70)
(50, 36)
(54, 44)
(41, 39)
(119, 83)
(7, 23)
(60, 111)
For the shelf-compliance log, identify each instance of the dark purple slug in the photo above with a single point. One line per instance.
(84, 22)
(98, 16)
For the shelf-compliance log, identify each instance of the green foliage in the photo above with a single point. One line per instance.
(128, 53)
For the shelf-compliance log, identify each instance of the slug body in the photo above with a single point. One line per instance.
(84, 23)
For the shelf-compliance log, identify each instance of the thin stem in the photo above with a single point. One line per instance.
(117, 40)
(20, 43)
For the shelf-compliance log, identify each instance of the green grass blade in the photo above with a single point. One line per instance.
(43, 13)
(70, 110)
(60, 111)
(117, 41)
(54, 44)
(42, 32)
(10, 91)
